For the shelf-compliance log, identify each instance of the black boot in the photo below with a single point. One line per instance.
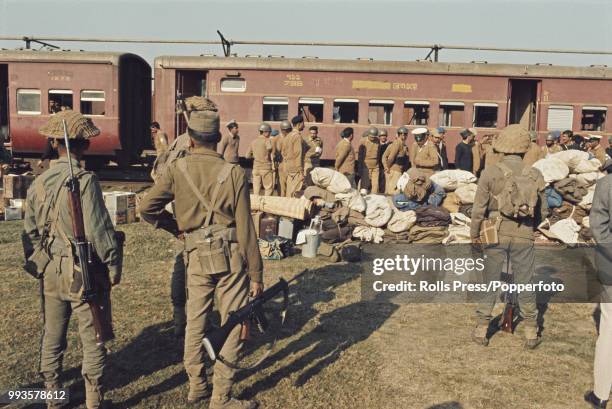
(595, 402)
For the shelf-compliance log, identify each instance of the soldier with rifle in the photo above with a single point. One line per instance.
(71, 246)
(212, 209)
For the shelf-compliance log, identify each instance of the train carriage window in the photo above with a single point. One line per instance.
(560, 117)
(311, 109)
(28, 101)
(275, 108)
(60, 100)
(594, 118)
(346, 110)
(233, 84)
(416, 112)
(485, 115)
(451, 114)
(92, 103)
(380, 111)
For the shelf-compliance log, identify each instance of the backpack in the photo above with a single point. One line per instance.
(519, 196)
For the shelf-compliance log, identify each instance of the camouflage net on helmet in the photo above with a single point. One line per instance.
(199, 104)
(77, 126)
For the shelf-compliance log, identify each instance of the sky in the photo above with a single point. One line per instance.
(561, 24)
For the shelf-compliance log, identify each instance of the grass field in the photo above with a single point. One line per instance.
(335, 352)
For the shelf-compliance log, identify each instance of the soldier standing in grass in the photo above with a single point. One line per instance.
(395, 160)
(48, 246)
(292, 152)
(230, 143)
(262, 151)
(345, 155)
(221, 252)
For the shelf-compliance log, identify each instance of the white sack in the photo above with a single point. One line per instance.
(451, 179)
(331, 180)
(367, 233)
(587, 166)
(553, 169)
(571, 157)
(466, 193)
(353, 200)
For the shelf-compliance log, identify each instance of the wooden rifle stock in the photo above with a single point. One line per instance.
(101, 318)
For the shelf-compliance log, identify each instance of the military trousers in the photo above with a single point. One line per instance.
(391, 181)
(521, 253)
(374, 174)
(230, 292)
(263, 179)
(295, 182)
(59, 305)
(603, 349)
(282, 181)
(177, 283)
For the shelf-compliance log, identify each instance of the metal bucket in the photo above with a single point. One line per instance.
(309, 249)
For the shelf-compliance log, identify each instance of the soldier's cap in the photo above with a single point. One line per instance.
(586, 138)
(373, 132)
(77, 126)
(298, 119)
(346, 132)
(551, 137)
(596, 137)
(556, 134)
(438, 132)
(285, 125)
(383, 132)
(265, 127)
(402, 130)
(420, 133)
(512, 139)
(467, 132)
(231, 124)
(274, 132)
(204, 126)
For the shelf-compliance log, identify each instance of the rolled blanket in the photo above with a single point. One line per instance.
(282, 206)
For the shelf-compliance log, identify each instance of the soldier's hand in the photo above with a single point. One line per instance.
(256, 289)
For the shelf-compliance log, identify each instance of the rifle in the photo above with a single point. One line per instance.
(252, 312)
(101, 318)
(511, 303)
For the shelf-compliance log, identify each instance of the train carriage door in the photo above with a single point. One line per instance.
(4, 102)
(189, 83)
(523, 103)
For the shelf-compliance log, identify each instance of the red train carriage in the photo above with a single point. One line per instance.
(334, 94)
(113, 88)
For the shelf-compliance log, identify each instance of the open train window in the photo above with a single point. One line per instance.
(593, 118)
(346, 111)
(92, 103)
(275, 108)
(28, 101)
(560, 117)
(380, 111)
(485, 115)
(311, 109)
(233, 84)
(60, 100)
(451, 114)
(416, 112)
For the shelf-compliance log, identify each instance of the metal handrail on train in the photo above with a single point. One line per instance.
(227, 44)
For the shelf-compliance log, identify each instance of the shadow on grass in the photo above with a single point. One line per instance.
(447, 405)
(335, 332)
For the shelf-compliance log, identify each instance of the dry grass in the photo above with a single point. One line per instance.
(336, 352)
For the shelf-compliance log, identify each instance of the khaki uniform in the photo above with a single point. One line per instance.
(600, 153)
(47, 200)
(160, 141)
(516, 239)
(425, 158)
(345, 160)
(231, 210)
(533, 155)
(312, 158)
(262, 150)
(229, 147)
(394, 161)
(550, 150)
(292, 153)
(491, 157)
(477, 154)
(281, 174)
(370, 162)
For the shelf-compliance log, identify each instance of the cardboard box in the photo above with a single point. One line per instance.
(13, 213)
(16, 186)
(17, 203)
(118, 218)
(119, 202)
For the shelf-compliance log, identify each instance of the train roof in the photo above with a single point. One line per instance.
(372, 66)
(101, 57)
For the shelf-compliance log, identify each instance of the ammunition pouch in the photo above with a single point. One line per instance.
(217, 249)
(37, 262)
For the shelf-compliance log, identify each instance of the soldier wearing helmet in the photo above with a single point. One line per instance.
(369, 161)
(262, 151)
(395, 160)
(292, 151)
(285, 128)
(230, 143)
(423, 154)
(552, 143)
